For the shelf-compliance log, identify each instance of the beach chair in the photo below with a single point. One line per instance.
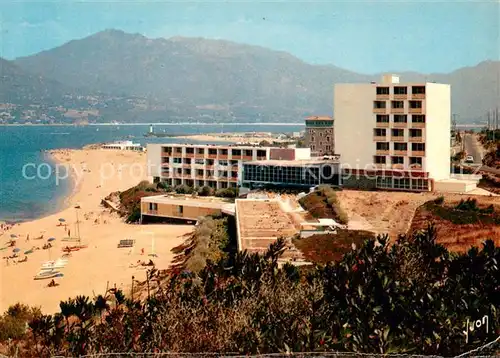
(126, 243)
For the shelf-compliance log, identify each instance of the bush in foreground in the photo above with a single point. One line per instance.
(412, 296)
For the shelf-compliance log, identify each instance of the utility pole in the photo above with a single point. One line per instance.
(489, 121)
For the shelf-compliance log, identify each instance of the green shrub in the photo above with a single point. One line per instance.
(135, 215)
(206, 191)
(227, 193)
(14, 322)
(439, 200)
(163, 186)
(183, 189)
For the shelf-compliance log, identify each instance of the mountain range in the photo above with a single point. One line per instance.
(192, 77)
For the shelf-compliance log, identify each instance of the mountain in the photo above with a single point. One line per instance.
(21, 87)
(195, 76)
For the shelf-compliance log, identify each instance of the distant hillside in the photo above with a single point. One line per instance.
(194, 76)
(21, 87)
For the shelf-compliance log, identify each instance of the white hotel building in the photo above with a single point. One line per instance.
(393, 135)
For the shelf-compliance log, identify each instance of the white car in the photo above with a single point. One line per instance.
(469, 159)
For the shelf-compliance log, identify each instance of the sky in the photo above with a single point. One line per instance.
(362, 36)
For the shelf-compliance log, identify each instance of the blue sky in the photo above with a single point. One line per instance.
(363, 36)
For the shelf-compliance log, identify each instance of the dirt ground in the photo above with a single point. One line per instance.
(380, 211)
(392, 212)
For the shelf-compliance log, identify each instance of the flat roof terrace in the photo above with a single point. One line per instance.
(293, 163)
(188, 200)
(260, 222)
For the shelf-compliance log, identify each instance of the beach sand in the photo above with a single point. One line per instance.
(89, 270)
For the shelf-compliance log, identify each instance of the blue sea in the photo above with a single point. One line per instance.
(24, 199)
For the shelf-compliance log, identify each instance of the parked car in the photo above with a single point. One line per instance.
(469, 159)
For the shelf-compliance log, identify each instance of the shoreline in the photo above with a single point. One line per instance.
(90, 269)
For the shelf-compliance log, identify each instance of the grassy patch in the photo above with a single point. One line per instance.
(323, 248)
(466, 212)
(323, 203)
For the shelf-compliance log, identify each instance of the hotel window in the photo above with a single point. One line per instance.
(177, 160)
(327, 147)
(418, 147)
(153, 206)
(397, 160)
(382, 90)
(415, 133)
(415, 104)
(379, 159)
(328, 138)
(379, 132)
(180, 209)
(379, 104)
(382, 146)
(401, 146)
(212, 151)
(400, 90)
(178, 150)
(384, 182)
(199, 161)
(419, 184)
(398, 132)
(401, 183)
(400, 118)
(248, 152)
(418, 90)
(236, 151)
(200, 150)
(382, 118)
(416, 161)
(418, 118)
(398, 104)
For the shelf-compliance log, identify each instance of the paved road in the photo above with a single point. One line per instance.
(473, 147)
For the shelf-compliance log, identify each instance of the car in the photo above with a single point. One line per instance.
(469, 159)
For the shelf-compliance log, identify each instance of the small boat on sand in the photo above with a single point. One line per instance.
(54, 264)
(44, 274)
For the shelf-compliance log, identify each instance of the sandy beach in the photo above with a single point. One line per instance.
(95, 173)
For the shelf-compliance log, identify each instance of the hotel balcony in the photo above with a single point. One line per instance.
(416, 167)
(400, 96)
(398, 166)
(197, 176)
(381, 152)
(415, 110)
(380, 166)
(397, 110)
(177, 154)
(232, 179)
(380, 110)
(236, 156)
(165, 165)
(416, 139)
(400, 153)
(212, 156)
(166, 154)
(419, 96)
(399, 125)
(247, 157)
(417, 125)
(187, 166)
(382, 97)
(382, 124)
(418, 153)
(397, 138)
(209, 167)
(223, 156)
(379, 138)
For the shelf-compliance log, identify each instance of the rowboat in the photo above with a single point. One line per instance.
(42, 275)
(54, 264)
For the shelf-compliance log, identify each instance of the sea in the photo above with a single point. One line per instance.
(24, 198)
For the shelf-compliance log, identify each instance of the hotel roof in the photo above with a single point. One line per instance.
(260, 222)
(188, 200)
(323, 118)
(293, 163)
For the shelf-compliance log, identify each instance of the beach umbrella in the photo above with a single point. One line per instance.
(51, 239)
(16, 249)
